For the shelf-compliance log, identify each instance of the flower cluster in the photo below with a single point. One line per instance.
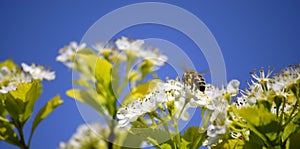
(113, 51)
(213, 99)
(263, 85)
(87, 136)
(141, 51)
(68, 52)
(219, 102)
(10, 78)
(162, 93)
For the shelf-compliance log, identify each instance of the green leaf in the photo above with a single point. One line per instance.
(262, 123)
(156, 136)
(139, 91)
(31, 96)
(86, 62)
(15, 107)
(22, 90)
(272, 132)
(193, 136)
(7, 133)
(257, 116)
(10, 64)
(230, 144)
(295, 141)
(185, 144)
(291, 127)
(146, 68)
(131, 141)
(278, 100)
(44, 112)
(254, 142)
(83, 82)
(3, 111)
(103, 72)
(88, 97)
(166, 146)
(20, 103)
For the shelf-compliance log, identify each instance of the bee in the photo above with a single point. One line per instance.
(194, 79)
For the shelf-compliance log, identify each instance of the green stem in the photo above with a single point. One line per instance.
(181, 111)
(294, 109)
(166, 127)
(177, 135)
(122, 87)
(282, 111)
(252, 128)
(266, 141)
(21, 134)
(197, 142)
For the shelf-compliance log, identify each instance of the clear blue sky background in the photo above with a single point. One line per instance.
(250, 35)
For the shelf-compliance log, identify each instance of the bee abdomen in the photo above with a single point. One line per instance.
(194, 79)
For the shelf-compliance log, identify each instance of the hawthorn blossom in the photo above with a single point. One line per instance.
(138, 48)
(125, 44)
(38, 72)
(10, 79)
(262, 77)
(218, 105)
(132, 111)
(214, 130)
(9, 87)
(286, 77)
(183, 98)
(163, 93)
(67, 53)
(87, 135)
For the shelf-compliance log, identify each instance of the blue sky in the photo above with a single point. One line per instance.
(250, 35)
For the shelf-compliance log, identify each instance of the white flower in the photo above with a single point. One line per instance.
(67, 52)
(10, 79)
(233, 87)
(5, 89)
(181, 105)
(214, 130)
(38, 72)
(4, 73)
(87, 135)
(124, 44)
(241, 102)
(138, 48)
(287, 76)
(262, 77)
(154, 56)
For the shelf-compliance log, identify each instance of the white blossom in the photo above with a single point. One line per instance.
(138, 48)
(38, 72)
(286, 77)
(87, 135)
(124, 44)
(214, 130)
(183, 98)
(67, 53)
(5, 89)
(10, 79)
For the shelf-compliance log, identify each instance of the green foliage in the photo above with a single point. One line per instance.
(7, 133)
(193, 137)
(139, 91)
(90, 98)
(45, 111)
(10, 64)
(156, 136)
(16, 106)
(230, 144)
(266, 115)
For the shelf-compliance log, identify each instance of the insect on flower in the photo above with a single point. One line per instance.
(194, 79)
